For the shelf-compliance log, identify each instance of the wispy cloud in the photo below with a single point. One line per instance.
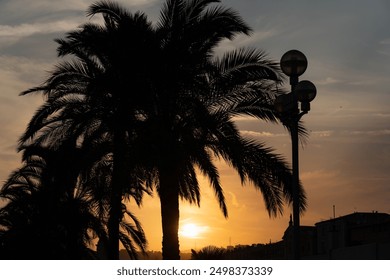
(28, 29)
(267, 134)
(233, 199)
(329, 81)
(384, 47)
(385, 41)
(20, 73)
(322, 134)
(13, 37)
(382, 115)
(320, 174)
(140, 2)
(16, 74)
(381, 132)
(256, 38)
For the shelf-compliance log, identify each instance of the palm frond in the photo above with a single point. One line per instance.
(111, 11)
(189, 185)
(204, 162)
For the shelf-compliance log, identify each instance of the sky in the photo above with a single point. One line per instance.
(346, 160)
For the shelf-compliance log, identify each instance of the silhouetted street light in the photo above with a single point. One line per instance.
(292, 107)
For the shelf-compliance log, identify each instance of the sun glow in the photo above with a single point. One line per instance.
(190, 230)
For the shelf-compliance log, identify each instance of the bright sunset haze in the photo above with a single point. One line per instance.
(345, 161)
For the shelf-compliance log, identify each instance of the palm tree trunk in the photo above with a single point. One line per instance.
(118, 181)
(169, 199)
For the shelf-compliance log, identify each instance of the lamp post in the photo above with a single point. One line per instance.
(292, 107)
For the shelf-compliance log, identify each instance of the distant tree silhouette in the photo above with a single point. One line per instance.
(209, 253)
(164, 105)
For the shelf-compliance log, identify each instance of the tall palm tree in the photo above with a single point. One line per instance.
(190, 121)
(166, 105)
(90, 96)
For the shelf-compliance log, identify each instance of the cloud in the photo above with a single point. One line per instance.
(36, 38)
(45, 17)
(382, 115)
(233, 199)
(141, 2)
(28, 29)
(382, 132)
(329, 81)
(257, 134)
(41, 10)
(385, 41)
(16, 75)
(322, 134)
(244, 41)
(320, 174)
(21, 72)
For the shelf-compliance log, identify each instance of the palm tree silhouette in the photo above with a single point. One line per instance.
(89, 97)
(209, 253)
(50, 216)
(162, 106)
(42, 216)
(190, 120)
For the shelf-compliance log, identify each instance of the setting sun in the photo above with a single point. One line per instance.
(190, 230)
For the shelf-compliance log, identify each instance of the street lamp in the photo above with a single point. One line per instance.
(292, 107)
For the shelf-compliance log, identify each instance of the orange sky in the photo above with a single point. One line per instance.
(248, 222)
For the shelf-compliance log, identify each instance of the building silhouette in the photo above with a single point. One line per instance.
(364, 236)
(354, 236)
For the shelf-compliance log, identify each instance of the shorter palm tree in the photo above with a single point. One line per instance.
(43, 219)
(40, 223)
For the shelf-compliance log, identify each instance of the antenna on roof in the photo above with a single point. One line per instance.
(334, 211)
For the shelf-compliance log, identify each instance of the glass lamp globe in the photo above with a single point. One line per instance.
(293, 63)
(306, 91)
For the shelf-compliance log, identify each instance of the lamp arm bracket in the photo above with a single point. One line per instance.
(300, 115)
